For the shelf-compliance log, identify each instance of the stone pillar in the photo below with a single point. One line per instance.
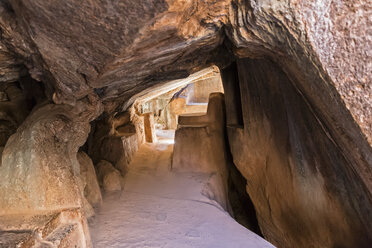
(149, 127)
(176, 107)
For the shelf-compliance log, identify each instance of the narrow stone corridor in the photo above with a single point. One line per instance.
(161, 208)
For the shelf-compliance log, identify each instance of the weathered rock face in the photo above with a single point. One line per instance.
(116, 139)
(89, 180)
(66, 228)
(305, 191)
(109, 177)
(16, 102)
(40, 176)
(123, 52)
(39, 168)
(105, 52)
(169, 39)
(13, 110)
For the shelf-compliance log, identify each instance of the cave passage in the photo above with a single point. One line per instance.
(196, 123)
(182, 197)
(161, 208)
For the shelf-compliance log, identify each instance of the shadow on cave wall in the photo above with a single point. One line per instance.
(17, 99)
(302, 184)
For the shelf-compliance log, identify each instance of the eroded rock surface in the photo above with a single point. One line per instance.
(104, 53)
(66, 228)
(39, 166)
(304, 190)
(40, 172)
(109, 177)
(89, 180)
(116, 138)
(168, 39)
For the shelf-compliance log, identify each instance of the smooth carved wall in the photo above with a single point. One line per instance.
(304, 189)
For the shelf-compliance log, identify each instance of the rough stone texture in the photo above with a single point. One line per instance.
(67, 228)
(155, 41)
(331, 40)
(119, 49)
(281, 31)
(123, 34)
(13, 110)
(108, 176)
(11, 69)
(16, 101)
(39, 167)
(304, 189)
(116, 139)
(89, 180)
(119, 150)
(342, 40)
(40, 173)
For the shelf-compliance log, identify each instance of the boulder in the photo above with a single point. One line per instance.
(119, 150)
(92, 191)
(108, 176)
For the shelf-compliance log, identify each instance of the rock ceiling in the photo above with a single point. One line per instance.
(119, 48)
(102, 55)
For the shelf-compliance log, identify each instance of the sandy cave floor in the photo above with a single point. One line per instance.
(160, 208)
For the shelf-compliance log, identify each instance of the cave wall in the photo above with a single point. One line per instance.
(199, 91)
(306, 38)
(39, 154)
(305, 190)
(42, 195)
(138, 45)
(116, 138)
(39, 170)
(17, 99)
(114, 51)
